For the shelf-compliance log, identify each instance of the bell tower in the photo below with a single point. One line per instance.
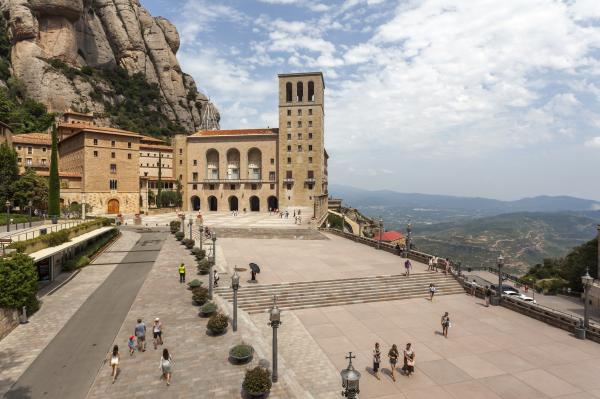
(302, 174)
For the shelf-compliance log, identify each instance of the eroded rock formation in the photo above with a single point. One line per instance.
(100, 34)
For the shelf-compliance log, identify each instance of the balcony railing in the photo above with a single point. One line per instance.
(288, 180)
(310, 180)
(253, 176)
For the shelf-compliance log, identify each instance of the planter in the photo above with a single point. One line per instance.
(217, 325)
(238, 356)
(257, 382)
(256, 395)
(208, 309)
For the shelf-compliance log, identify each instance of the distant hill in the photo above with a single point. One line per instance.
(396, 208)
(524, 238)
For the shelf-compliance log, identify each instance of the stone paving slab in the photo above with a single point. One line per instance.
(201, 368)
(22, 346)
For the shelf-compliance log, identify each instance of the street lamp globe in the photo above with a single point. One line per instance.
(274, 313)
(235, 280)
(500, 261)
(7, 203)
(586, 279)
(350, 380)
(214, 236)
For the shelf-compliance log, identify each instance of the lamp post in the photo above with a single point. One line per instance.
(30, 204)
(408, 237)
(500, 265)
(343, 220)
(587, 281)
(190, 224)
(235, 285)
(380, 233)
(7, 203)
(83, 206)
(211, 264)
(275, 322)
(350, 379)
(201, 229)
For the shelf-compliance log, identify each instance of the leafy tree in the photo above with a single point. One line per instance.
(32, 187)
(151, 197)
(179, 199)
(54, 182)
(18, 283)
(9, 172)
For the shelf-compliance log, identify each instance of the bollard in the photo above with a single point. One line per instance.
(580, 330)
(24, 315)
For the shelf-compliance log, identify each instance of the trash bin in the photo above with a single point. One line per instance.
(43, 231)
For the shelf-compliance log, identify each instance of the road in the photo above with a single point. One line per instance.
(562, 303)
(67, 367)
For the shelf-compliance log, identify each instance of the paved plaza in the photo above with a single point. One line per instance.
(490, 352)
(227, 219)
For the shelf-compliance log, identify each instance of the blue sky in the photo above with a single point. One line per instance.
(475, 98)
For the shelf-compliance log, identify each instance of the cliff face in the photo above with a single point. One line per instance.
(52, 40)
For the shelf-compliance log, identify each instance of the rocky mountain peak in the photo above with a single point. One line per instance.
(54, 40)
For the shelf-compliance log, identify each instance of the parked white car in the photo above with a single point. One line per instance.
(527, 298)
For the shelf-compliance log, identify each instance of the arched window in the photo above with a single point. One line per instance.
(212, 164)
(254, 164)
(233, 164)
(311, 91)
(288, 92)
(299, 91)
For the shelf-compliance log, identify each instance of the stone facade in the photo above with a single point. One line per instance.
(33, 150)
(9, 319)
(230, 170)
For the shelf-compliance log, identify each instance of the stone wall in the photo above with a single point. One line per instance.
(9, 319)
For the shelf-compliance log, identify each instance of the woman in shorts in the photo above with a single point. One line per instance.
(114, 362)
(376, 360)
(393, 355)
(166, 366)
(157, 332)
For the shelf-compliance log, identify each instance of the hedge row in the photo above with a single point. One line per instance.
(57, 238)
(83, 258)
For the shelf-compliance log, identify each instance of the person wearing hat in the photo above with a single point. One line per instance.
(157, 332)
(140, 333)
(181, 273)
(131, 345)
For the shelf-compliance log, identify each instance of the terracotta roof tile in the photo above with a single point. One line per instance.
(32, 138)
(235, 132)
(98, 129)
(390, 236)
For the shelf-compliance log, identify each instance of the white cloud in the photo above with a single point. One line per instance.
(594, 142)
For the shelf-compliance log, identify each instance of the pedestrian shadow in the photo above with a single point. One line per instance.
(438, 333)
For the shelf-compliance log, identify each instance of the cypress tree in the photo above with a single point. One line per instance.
(9, 172)
(158, 197)
(54, 183)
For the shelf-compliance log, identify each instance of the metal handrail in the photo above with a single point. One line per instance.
(36, 233)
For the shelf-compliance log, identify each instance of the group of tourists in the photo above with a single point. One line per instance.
(436, 263)
(138, 341)
(393, 355)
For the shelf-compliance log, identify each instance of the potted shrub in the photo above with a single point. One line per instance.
(208, 309)
(217, 324)
(204, 266)
(179, 235)
(200, 254)
(174, 226)
(189, 243)
(199, 296)
(257, 382)
(241, 354)
(194, 284)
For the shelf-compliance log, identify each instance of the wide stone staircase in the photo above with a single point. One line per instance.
(311, 294)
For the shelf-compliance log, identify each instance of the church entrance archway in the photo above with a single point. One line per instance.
(195, 203)
(273, 203)
(113, 206)
(233, 203)
(254, 204)
(212, 203)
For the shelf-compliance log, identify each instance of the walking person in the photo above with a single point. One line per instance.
(432, 291)
(140, 333)
(181, 273)
(114, 362)
(131, 345)
(376, 360)
(445, 324)
(215, 278)
(407, 267)
(409, 360)
(166, 366)
(488, 295)
(157, 333)
(473, 287)
(393, 355)
(430, 265)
